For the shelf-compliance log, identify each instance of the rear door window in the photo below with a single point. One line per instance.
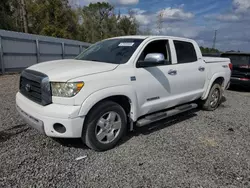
(185, 52)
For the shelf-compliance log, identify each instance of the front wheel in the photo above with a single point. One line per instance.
(105, 125)
(214, 98)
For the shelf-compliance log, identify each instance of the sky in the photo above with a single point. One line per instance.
(195, 19)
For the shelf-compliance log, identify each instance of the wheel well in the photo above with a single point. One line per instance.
(122, 100)
(219, 80)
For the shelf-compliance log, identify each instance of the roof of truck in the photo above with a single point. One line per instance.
(153, 36)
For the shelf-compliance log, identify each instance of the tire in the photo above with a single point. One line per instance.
(211, 103)
(105, 120)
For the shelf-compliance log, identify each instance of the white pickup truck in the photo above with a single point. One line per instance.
(117, 84)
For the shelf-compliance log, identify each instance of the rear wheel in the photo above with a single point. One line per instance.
(214, 98)
(105, 125)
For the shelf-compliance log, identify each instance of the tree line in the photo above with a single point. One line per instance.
(58, 18)
(207, 50)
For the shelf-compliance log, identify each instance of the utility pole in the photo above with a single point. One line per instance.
(214, 42)
(24, 16)
(160, 21)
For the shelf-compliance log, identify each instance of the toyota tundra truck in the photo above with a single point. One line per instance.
(118, 84)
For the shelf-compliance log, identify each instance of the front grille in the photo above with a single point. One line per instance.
(35, 86)
(31, 89)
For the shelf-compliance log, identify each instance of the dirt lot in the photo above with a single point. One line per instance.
(199, 149)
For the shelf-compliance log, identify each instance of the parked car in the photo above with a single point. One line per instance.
(241, 68)
(117, 84)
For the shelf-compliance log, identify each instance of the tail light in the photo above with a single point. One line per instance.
(245, 79)
(230, 66)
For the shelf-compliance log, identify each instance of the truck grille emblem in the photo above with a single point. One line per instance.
(27, 87)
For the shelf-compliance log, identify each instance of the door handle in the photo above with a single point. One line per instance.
(172, 72)
(201, 69)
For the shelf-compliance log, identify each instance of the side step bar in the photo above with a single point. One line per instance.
(162, 115)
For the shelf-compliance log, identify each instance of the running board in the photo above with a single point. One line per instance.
(162, 115)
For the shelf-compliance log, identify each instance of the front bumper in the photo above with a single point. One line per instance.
(237, 81)
(43, 118)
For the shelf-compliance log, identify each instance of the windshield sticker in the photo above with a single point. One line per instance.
(126, 44)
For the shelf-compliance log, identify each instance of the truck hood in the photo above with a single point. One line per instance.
(64, 70)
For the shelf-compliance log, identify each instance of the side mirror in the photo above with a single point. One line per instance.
(152, 59)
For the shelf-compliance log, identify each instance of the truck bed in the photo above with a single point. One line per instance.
(215, 65)
(215, 59)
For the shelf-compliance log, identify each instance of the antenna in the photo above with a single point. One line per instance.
(214, 42)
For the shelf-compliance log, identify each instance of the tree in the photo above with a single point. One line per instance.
(6, 15)
(209, 50)
(24, 15)
(52, 18)
(99, 21)
(57, 18)
(127, 26)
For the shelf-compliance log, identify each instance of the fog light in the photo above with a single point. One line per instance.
(59, 128)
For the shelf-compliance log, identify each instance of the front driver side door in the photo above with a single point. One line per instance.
(152, 84)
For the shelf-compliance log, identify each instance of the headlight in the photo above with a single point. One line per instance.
(66, 89)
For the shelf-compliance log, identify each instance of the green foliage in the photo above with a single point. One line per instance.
(209, 50)
(100, 22)
(52, 17)
(57, 18)
(6, 15)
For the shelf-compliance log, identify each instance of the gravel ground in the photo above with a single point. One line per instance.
(199, 149)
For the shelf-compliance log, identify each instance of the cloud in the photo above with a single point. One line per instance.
(241, 6)
(175, 22)
(228, 17)
(230, 35)
(138, 11)
(182, 29)
(175, 14)
(205, 9)
(144, 17)
(125, 2)
(240, 12)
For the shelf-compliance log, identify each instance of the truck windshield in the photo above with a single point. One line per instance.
(116, 51)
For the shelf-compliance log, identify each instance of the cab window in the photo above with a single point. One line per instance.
(158, 46)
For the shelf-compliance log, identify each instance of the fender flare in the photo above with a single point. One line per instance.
(124, 90)
(211, 81)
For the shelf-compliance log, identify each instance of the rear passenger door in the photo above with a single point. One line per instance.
(190, 72)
